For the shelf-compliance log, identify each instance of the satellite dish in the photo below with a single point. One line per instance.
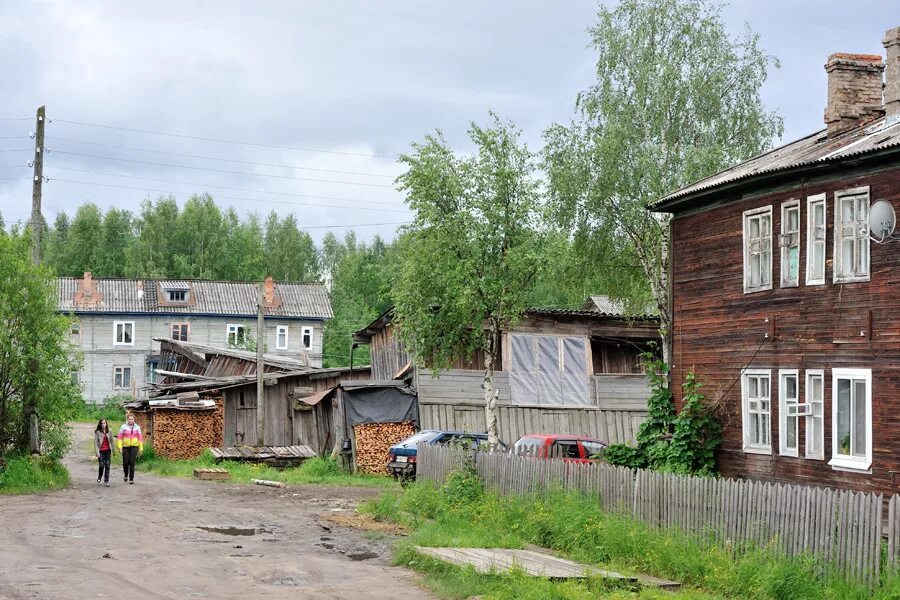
(882, 220)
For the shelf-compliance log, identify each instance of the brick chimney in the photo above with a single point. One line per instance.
(854, 91)
(269, 293)
(891, 44)
(86, 293)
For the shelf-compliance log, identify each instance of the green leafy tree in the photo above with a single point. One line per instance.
(57, 245)
(199, 238)
(35, 354)
(290, 253)
(677, 97)
(85, 239)
(154, 248)
(472, 252)
(117, 237)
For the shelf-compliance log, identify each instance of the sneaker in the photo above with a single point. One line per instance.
(98, 482)
(126, 479)
(106, 484)
(131, 482)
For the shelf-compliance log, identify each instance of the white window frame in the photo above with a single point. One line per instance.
(838, 275)
(812, 416)
(179, 324)
(785, 250)
(170, 296)
(303, 332)
(278, 331)
(811, 202)
(119, 371)
(750, 446)
(116, 341)
(843, 461)
(788, 409)
(747, 215)
(232, 329)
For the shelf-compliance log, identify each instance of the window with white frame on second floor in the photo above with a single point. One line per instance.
(758, 249)
(756, 386)
(281, 337)
(815, 239)
(851, 235)
(180, 331)
(307, 338)
(123, 333)
(790, 243)
(121, 377)
(236, 335)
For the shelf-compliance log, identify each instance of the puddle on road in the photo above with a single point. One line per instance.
(245, 531)
(361, 555)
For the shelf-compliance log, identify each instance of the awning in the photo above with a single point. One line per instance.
(317, 397)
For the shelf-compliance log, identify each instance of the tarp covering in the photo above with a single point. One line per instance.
(380, 405)
(549, 370)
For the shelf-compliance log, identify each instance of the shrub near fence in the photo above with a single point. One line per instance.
(841, 527)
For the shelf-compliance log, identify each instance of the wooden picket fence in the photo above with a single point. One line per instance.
(841, 527)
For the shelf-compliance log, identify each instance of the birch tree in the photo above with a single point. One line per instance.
(472, 252)
(676, 98)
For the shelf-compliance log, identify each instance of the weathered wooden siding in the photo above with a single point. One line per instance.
(718, 330)
(455, 401)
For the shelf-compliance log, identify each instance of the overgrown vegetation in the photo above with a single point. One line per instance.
(314, 470)
(681, 443)
(462, 513)
(24, 474)
(110, 409)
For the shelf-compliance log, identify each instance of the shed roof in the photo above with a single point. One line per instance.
(225, 298)
(878, 137)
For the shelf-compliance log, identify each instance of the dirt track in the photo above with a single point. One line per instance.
(261, 542)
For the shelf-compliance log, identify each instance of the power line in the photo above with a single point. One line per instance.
(220, 141)
(15, 137)
(128, 187)
(20, 221)
(16, 118)
(234, 189)
(229, 160)
(18, 150)
(177, 166)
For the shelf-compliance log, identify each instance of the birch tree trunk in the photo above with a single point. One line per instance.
(491, 395)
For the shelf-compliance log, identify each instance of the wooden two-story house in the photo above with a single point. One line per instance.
(115, 321)
(785, 303)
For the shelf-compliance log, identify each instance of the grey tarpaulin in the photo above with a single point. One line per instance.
(388, 404)
(549, 370)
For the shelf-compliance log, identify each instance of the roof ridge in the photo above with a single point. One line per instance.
(145, 279)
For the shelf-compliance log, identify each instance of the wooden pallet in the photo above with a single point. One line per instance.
(211, 474)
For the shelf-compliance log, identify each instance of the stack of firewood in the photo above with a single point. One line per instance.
(373, 441)
(182, 434)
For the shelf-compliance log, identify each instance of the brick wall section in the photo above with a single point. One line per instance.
(854, 90)
(718, 328)
(891, 43)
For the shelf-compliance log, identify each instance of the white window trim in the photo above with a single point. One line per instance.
(810, 373)
(278, 332)
(753, 213)
(841, 462)
(311, 333)
(810, 240)
(785, 256)
(837, 266)
(783, 450)
(236, 327)
(116, 341)
(745, 412)
(130, 377)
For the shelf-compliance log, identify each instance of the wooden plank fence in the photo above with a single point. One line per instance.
(841, 527)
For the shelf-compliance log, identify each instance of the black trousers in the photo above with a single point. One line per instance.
(103, 472)
(129, 454)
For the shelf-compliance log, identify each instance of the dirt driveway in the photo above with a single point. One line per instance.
(148, 541)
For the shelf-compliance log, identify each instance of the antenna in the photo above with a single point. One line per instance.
(882, 220)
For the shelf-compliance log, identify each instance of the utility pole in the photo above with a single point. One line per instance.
(29, 408)
(260, 371)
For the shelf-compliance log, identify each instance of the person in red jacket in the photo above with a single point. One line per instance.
(103, 447)
(130, 443)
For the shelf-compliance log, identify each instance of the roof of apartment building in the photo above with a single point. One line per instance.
(191, 297)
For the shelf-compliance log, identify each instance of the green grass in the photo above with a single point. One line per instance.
(313, 471)
(461, 513)
(23, 474)
(111, 409)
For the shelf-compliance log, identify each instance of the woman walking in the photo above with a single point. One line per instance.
(130, 442)
(103, 446)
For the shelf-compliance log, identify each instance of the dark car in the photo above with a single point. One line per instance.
(576, 448)
(402, 459)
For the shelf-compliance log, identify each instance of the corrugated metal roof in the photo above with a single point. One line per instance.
(175, 285)
(589, 314)
(231, 298)
(881, 134)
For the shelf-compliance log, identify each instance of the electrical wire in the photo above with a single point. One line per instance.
(220, 141)
(18, 150)
(20, 221)
(204, 157)
(226, 171)
(219, 187)
(128, 187)
(16, 118)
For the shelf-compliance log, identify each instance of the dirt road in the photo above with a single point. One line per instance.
(178, 538)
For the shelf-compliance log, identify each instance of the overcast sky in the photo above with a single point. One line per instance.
(356, 81)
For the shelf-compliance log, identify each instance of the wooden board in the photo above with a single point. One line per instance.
(211, 474)
(486, 560)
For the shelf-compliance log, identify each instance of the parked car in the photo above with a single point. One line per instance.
(402, 459)
(575, 448)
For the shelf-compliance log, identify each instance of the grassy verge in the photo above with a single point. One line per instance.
(111, 410)
(314, 470)
(461, 513)
(23, 474)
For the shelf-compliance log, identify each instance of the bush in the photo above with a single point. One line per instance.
(111, 409)
(24, 474)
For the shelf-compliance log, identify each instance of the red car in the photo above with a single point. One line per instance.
(575, 448)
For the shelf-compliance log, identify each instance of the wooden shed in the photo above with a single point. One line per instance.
(181, 426)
